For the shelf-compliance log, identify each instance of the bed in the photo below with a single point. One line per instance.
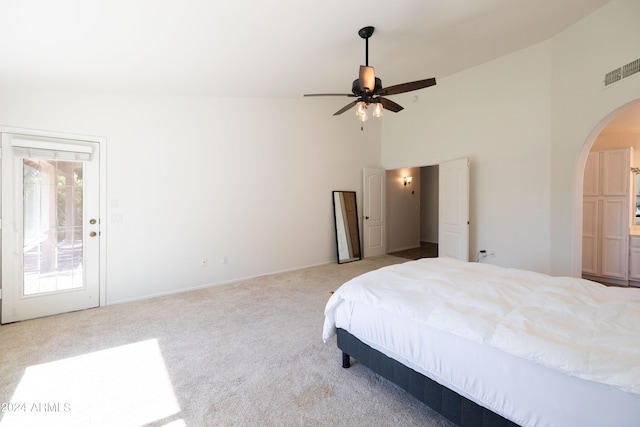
(487, 345)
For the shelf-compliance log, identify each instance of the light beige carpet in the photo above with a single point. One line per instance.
(245, 354)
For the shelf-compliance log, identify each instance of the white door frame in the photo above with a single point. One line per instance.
(103, 191)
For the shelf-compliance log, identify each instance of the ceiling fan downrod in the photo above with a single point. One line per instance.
(365, 33)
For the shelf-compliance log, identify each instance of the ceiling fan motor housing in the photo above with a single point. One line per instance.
(355, 89)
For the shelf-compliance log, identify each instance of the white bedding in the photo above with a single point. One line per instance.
(571, 326)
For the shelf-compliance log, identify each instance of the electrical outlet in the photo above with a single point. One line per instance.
(204, 262)
(486, 253)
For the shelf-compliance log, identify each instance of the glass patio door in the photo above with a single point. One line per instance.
(50, 226)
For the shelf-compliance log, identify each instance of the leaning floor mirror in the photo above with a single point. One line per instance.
(345, 212)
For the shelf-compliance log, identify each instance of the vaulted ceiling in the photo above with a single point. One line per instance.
(255, 48)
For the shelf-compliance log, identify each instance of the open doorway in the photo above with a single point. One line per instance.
(448, 195)
(412, 212)
(621, 129)
(429, 195)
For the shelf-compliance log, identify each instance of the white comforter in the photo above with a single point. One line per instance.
(575, 326)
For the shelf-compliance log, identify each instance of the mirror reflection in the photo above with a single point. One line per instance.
(345, 212)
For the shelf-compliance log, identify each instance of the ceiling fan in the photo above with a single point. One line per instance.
(368, 90)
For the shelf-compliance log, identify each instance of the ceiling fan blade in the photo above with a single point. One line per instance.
(390, 105)
(367, 79)
(408, 87)
(330, 94)
(345, 108)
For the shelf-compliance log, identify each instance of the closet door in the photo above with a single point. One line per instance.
(590, 217)
(614, 173)
(590, 236)
(591, 182)
(614, 235)
(614, 238)
(606, 215)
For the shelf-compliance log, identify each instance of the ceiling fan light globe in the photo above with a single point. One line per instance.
(377, 110)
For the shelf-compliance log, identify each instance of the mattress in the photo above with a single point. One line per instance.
(481, 331)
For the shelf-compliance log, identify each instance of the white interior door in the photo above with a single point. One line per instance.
(373, 240)
(50, 226)
(453, 211)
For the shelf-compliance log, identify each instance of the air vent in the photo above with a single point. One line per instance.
(625, 71)
(631, 68)
(613, 76)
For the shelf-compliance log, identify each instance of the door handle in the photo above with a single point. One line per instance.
(93, 234)
(366, 217)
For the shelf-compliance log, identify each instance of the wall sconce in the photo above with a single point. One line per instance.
(407, 180)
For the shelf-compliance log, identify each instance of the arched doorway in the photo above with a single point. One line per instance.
(623, 122)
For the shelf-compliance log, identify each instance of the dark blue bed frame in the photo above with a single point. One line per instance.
(456, 408)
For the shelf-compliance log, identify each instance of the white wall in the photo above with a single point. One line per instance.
(497, 115)
(581, 56)
(523, 120)
(193, 178)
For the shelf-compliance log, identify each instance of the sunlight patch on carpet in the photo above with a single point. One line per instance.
(125, 386)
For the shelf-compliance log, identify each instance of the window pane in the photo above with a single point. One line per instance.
(53, 232)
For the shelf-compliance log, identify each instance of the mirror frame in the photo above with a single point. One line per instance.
(347, 227)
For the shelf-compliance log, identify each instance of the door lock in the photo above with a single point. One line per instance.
(93, 234)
